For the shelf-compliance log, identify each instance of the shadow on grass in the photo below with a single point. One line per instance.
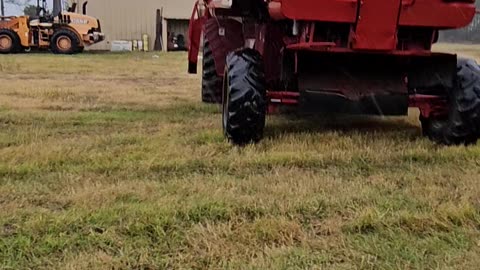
(345, 124)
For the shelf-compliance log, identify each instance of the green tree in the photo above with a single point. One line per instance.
(19, 3)
(30, 10)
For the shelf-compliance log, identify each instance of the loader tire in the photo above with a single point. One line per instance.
(9, 41)
(462, 125)
(244, 97)
(211, 82)
(64, 41)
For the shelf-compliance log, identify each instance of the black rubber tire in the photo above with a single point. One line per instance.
(75, 42)
(211, 82)
(462, 125)
(16, 44)
(244, 97)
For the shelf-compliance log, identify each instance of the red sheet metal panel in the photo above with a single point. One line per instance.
(321, 10)
(377, 25)
(436, 13)
(428, 13)
(221, 45)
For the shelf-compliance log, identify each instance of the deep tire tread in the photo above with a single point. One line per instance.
(462, 126)
(73, 37)
(211, 82)
(16, 44)
(244, 97)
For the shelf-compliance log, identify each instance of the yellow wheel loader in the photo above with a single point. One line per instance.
(64, 33)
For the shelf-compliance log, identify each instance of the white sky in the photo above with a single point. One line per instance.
(15, 10)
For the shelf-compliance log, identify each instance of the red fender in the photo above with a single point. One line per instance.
(230, 39)
(222, 41)
(194, 35)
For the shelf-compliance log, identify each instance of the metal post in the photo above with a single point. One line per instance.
(57, 7)
(164, 34)
(2, 7)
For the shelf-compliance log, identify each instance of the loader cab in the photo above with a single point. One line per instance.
(64, 31)
(61, 31)
(42, 13)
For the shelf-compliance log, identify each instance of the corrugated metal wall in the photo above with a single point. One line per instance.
(129, 20)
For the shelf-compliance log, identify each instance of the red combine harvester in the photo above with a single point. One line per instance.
(369, 57)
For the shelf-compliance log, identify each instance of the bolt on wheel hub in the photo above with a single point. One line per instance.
(64, 43)
(5, 42)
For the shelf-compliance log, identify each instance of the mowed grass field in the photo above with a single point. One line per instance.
(112, 162)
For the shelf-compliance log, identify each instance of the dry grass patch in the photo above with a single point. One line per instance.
(111, 161)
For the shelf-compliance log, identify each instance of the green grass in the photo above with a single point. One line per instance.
(110, 161)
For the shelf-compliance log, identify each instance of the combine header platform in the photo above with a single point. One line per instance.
(369, 57)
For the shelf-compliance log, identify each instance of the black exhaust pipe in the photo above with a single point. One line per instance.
(39, 9)
(73, 8)
(85, 8)
(57, 7)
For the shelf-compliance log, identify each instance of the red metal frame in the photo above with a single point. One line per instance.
(377, 24)
(308, 43)
(315, 10)
(281, 98)
(370, 17)
(374, 23)
(424, 13)
(372, 26)
(437, 13)
(429, 106)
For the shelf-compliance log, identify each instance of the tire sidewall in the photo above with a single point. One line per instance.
(212, 83)
(62, 33)
(244, 97)
(225, 102)
(8, 49)
(15, 41)
(461, 125)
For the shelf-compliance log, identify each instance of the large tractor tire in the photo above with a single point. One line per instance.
(9, 41)
(244, 97)
(462, 125)
(64, 41)
(211, 82)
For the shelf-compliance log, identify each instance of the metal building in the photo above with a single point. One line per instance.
(129, 20)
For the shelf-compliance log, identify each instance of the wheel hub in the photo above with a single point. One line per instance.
(5, 42)
(64, 43)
